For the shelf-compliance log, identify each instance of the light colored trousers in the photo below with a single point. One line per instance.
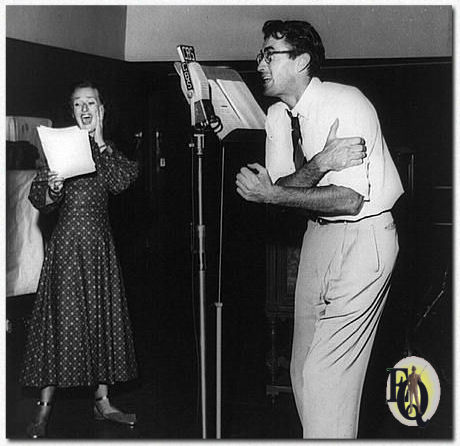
(342, 285)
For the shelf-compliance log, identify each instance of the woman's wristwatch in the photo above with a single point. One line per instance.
(105, 147)
(55, 195)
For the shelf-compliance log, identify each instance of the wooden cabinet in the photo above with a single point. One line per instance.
(285, 233)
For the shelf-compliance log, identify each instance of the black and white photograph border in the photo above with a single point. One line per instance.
(207, 275)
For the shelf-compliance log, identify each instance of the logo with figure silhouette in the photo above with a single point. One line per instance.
(413, 391)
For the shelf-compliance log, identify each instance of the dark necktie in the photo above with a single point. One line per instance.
(297, 154)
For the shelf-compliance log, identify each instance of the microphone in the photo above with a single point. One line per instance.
(195, 87)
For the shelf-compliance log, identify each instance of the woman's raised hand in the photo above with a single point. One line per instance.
(99, 130)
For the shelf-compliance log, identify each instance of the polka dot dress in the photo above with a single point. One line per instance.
(80, 333)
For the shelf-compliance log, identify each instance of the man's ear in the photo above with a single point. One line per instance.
(303, 61)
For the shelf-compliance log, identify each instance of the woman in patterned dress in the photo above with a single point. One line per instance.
(80, 333)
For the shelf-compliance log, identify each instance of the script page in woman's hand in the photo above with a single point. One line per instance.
(67, 150)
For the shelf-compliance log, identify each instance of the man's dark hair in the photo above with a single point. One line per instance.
(301, 36)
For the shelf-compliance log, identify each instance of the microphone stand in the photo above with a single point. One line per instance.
(219, 306)
(196, 89)
(198, 146)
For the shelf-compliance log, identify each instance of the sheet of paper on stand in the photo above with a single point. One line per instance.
(224, 109)
(243, 103)
(233, 101)
(67, 150)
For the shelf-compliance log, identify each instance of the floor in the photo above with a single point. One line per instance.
(178, 417)
(166, 400)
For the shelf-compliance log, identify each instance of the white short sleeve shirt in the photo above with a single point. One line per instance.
(376, 179)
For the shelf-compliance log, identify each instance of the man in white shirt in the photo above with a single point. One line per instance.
(348, 183)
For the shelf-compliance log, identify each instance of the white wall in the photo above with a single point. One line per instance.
(98, 30)
(234, 32)
(230, 32)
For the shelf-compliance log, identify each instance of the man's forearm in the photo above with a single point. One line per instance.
(328, 200)
(308, 175)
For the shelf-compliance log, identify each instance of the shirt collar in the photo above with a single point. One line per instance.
(301, 108)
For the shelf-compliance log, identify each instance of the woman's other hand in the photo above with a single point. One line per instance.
(55, 183)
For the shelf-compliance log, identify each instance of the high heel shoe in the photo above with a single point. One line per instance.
(37, 428)
(116, 416)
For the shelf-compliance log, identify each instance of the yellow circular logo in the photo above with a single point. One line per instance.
(413, 391)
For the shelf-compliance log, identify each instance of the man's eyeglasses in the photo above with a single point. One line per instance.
(267, 55)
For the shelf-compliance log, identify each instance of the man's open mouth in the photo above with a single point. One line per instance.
(266, 79)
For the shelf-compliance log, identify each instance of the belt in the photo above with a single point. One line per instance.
(323, 221)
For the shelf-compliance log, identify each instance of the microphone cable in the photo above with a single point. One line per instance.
(214, 123)
(193, 272)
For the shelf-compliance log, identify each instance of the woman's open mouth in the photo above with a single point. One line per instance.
(86, 119)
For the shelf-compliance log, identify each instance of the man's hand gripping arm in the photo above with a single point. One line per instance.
(338, 154)
(299, 189)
